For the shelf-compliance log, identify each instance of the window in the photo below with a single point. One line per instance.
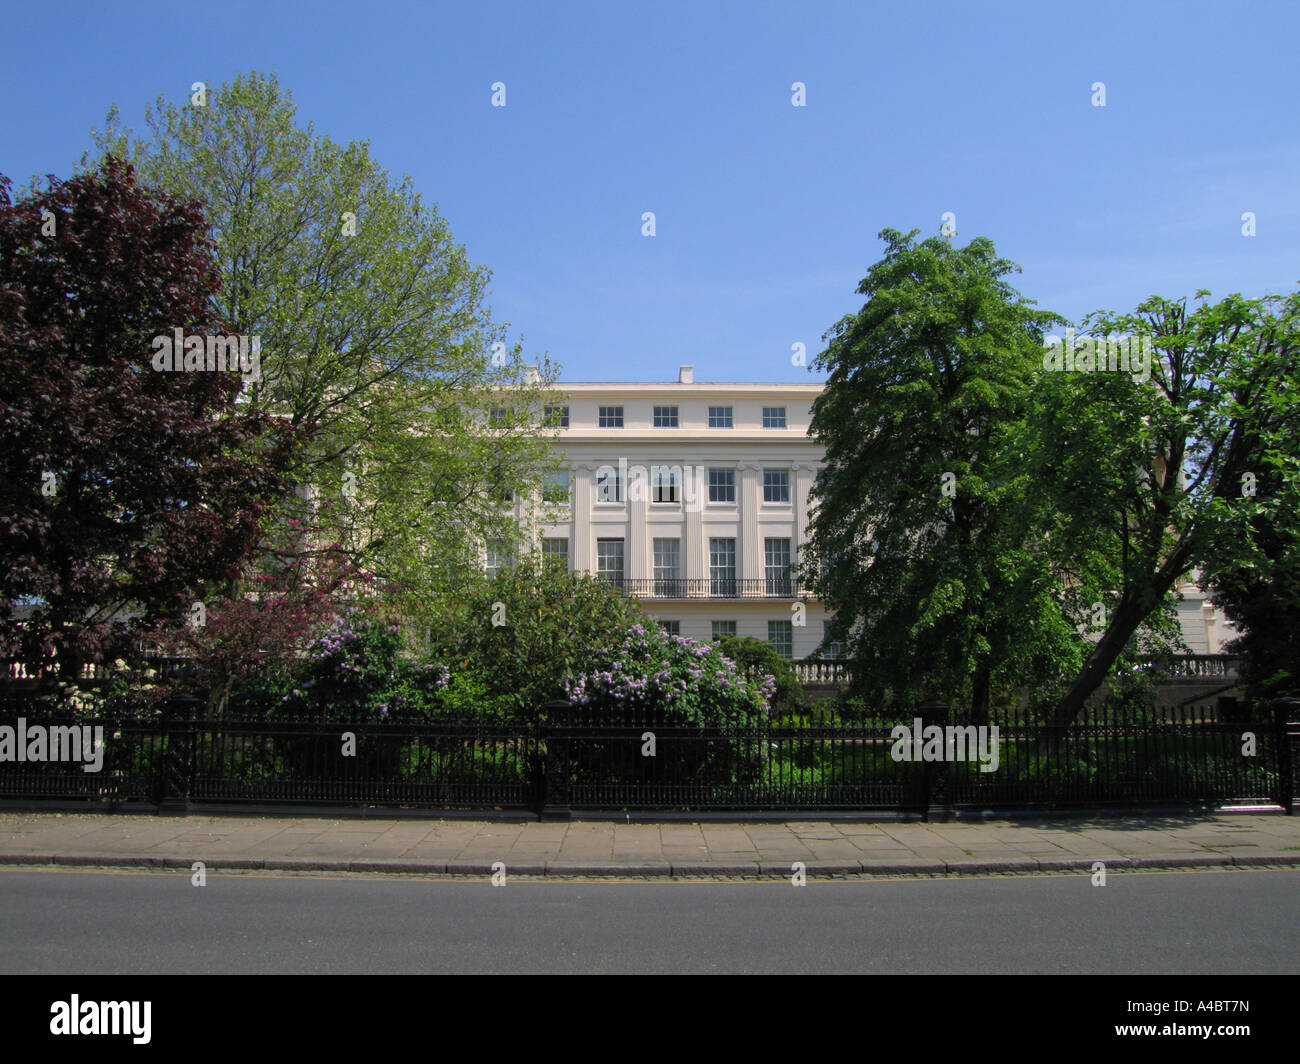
(722, 567)
(722, 485)
(720, 417)
(776, 485)
(556, 552)
(611, 417)
(780, 636)
(609, 486)
(609, 560)
(555, 487)
(497, 558)
(672, 627)
(721, 628)
(665, 417)
(556, 417)
(666, 480)
(776, 558)
(497, 415)
(830, 650)
(773, 417)
(668, 566)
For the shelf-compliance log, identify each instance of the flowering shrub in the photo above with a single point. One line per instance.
(130, 691)
(355, 672)
(691, 683)
(756, 658)
(668, 682)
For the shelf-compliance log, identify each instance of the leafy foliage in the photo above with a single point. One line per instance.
(1077, 499)
(124, 491)
(687, 683)
(267, 622)
(924, 543)
(1221, 411)
(356, 672)
(681, 688)
(526, 630)
(758, 660)
(374, 330)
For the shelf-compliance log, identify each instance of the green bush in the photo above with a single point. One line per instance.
(665, 681)
(523, 632)
(356, 672)
(758, 659)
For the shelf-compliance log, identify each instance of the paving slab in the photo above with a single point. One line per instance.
(825, 848)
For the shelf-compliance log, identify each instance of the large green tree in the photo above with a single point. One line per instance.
(992, 515)
(1258, 588)
(373, 327)
(1185, 467)
(927, 539)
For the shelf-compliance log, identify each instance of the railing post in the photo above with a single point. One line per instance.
(1286, 717)
(178, 729)
(555, 774)
(938, 778)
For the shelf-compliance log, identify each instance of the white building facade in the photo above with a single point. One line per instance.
(692, 497)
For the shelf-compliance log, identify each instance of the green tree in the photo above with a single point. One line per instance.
(1191, 470)
(1255, 574)
(925, 544)
(373, 329)
(125, 494)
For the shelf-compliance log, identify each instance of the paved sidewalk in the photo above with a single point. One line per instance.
(601, 848)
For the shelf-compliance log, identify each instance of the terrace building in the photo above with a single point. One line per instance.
(691, 497)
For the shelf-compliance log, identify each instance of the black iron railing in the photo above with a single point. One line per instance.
(562, 758)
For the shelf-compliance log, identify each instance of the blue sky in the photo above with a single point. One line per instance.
(766, 213)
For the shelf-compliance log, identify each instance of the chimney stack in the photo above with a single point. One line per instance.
(686, 375)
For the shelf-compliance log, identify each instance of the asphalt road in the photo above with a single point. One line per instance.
(95, 922)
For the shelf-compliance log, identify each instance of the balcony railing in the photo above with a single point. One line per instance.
(709, 587)
(822, 671)
(1205, 667)
(1202, 667)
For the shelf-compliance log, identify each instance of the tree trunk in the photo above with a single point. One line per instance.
(1132, 611)
(1122, 626)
